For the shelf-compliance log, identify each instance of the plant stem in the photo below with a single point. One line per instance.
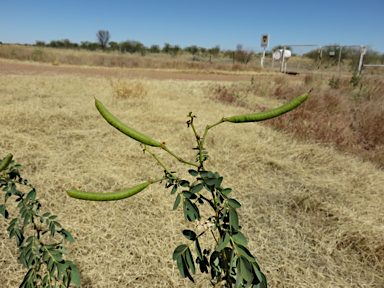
(178, 158)
(157, 159)
(209, 127)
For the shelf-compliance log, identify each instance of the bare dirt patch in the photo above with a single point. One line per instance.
(31, 68)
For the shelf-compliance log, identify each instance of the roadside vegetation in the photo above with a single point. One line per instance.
(133, 54)
(345, 113)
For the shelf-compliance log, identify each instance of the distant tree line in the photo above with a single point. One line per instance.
(133, 46)
(130, 46)
(239, 55)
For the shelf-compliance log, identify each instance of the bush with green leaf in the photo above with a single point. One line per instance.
(230, 262)
(36, 234)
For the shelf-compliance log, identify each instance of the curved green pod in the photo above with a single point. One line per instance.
(111, 196)
(6, 162)
(268, 114)
(123, 128)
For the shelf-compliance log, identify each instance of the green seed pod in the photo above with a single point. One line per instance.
(123, 128)
(4, 164)
(268, 114)
(111, 196)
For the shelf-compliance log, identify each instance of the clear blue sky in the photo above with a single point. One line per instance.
(203, 23)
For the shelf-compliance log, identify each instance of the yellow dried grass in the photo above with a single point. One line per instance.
(313, 217)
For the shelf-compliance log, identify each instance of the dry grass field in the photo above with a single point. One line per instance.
(312, 213)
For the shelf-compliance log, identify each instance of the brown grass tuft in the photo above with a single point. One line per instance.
(126, 88)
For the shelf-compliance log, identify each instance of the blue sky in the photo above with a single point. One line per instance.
(203, 23)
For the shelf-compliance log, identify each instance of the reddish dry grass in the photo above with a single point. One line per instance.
(347, 118)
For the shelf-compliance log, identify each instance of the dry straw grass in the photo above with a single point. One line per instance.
(125, 88)
(313, 216)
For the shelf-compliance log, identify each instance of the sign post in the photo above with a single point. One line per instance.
(264, 44)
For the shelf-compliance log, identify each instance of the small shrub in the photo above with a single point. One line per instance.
(334, 83)
(36, 233)
(355, 79)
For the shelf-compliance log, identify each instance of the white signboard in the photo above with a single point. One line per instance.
(264, 40)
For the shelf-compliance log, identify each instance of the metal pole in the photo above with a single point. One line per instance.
(282, 60)
(262, 59)
(361, 60)
(301, 50)
(338, 65)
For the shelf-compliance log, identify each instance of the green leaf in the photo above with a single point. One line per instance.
(210, 181)
(218, 182)
(52, 217)
(50, 262)
(4, 211)
(246, 269)
(189, 234)
(234, 203)
(46, 214)
(178, 251)
(239, 238)
(181, 265)
(245, 252)
(226, 191)
(193, 172)
(197, 188)
(189, 260)
(75, 275)
(189, 195)
(204, 174)
(31, 195)
(62, 250)
(198, 249)
(223, 242)
(184, 183)
(177, 202)
(233, 219)
(67, 235)
(194, 211)
(228, 254)
(239, 277)
(26, 219)
(174, 189)
(45, 281)
(52, 229)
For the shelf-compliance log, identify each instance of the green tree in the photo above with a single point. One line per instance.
(154, 49)
(167, 48)
(192, 49)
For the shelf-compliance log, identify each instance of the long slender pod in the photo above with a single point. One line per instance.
(123, 128)
(111, 196)
(268, 114)
(4, 164)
